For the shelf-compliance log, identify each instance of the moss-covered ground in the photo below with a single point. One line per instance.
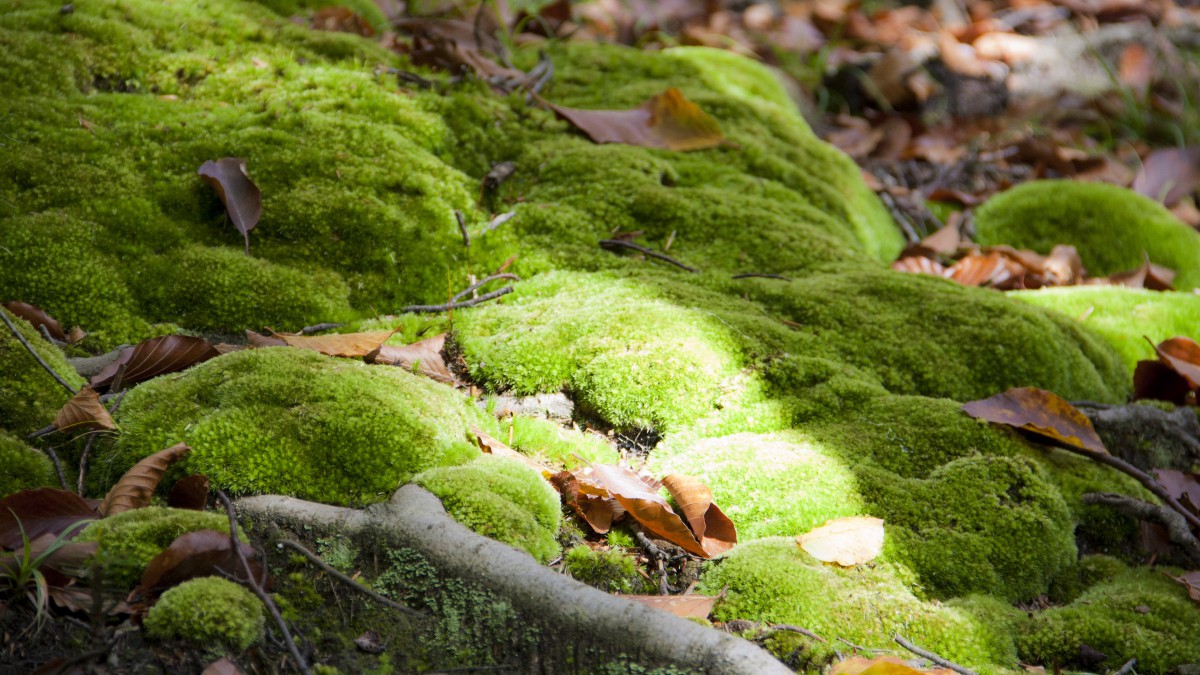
(833, 392)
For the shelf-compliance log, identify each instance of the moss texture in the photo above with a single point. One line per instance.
(29, 396)
(205, 611)
(21, 466)
(1109, 225)
(611, 571)
(128, 541)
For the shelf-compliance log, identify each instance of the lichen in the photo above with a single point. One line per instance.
(1110, 226)
(21, 466)
(29, 396)
(205, 611)
(128, 541)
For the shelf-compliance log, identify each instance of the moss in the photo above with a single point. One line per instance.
(1124, 317)
(29, 396)
(549, 441)
(21, 466)
(290, 421)
(611, 571)
(1139, 613)
(773, 580)
(207, 610)
(500, 498)
(1109, 225)
(128, 541)
(1088, 571)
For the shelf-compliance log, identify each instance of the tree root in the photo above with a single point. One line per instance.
(1146, 436)
(415, 518)
(1177, 526)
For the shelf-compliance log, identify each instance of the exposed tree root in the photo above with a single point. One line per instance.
(415, 518)
(1177, 526)
(1146, 436)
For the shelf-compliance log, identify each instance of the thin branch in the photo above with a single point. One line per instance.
(62, 477)
(427, 309)
(1127, 668)
(257, 587)
(21, 338)
(614, 244)
(462, 228)
(49, 338)
(320, 328)
(479, 284)
(347, 580)
(858, 647)
(1177, 528)
(761, 275)
(932, 657)
(797, 629)
(1142, 477)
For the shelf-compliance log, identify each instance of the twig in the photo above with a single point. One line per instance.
(62, 477)
(797, 629)
(257, 587)
(66, 666)
(87, 448)
(1142, 477)
(462, 227)
(858, 647)
(1177, 528)
(931, 656)
(347, 580)
(761, 275)
(319, 328)
(21, 338)
(478, 284)
(614, 244)
(49, 338)
(497, 222)
(457, 305)
(1127, 668)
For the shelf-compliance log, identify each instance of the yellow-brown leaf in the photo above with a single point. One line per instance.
(84, 410)
(1039, 412)
(136, 487)
(353, 345)
(845, 541)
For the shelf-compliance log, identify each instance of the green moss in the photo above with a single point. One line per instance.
(21, 466)
(612, 571)
(548, 441)
(1138, 614)
(29, 396)
(207, 610)
(775, 581)
(1124, 317)
(1088, 571)
(128, 541)
(290, 421)
(1109, 225)
(500, 498)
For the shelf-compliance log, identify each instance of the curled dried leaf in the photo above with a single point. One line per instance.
(686, 606)
(38, 512)
(668, 120)
(38, 317)
(84, 410)
(136, 487)
(202, 553)
(425, 356)
(1041, 413)
(239, 194)
(648, 508)
(154, 357)
(712, 528)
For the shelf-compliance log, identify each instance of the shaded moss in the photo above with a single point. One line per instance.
(611, 571)
(29, 396)
(22, 466)
(1072, 581)
(1110, 226)
(128, 541)
(207, 610)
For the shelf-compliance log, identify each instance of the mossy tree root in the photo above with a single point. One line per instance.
(415, 518)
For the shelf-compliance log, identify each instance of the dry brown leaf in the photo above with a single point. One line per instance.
(986, 269)
(342, 20)
(1063, 267)
(845, 541)
(1192, 581)
(40, 511)
(648, 508)
(203, 553)
(1041, 413)
(84, 410)
(1182, 354)
(667, 120)
(154, 357)
(1147, 275)
(686, 606)
(1184, 486)
(711, 527)
(339, 344)
(37, 317)
(239, 194)
(920, 265)
(189, 493)
(882, 665)
(222, 666)
(1169, 174)
(492, 446)
(591, 503)
(136, 487)
(258, 340)
(426, 355)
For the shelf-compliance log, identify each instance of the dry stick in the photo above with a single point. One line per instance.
(462, 227)
(38, 357)
(931, 656)
(613, 244)
(761, 275)
(1142, 477)
(797, 629)
(319, 328)
(1127, 668)
(1177, 528)
(457, 305)
(478, 284)
(62, 477)
(347, 580)
(49, 338)
(257, 587)
(858, 647)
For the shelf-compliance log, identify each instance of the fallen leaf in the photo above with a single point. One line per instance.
(1063, 267)
(370, 642)
(1135, 69)
(648, 508)
(342, 20)
(1147, 275)
(239, 194)
(920, 265)
(1039, 412)
(258, 340)
(154, 357)
(40, 511)
(1169, 174)
(455, 46)
(882, 665)
(76, 335)
(686, 606)
(135, 489)
(1182, 354)
(37, 317)
(84, 410)
(1184, 486)
(339, 344)
(425, 355)
(1192, 581)
(202, 553)
(69, 559)
(222, 666)
(667, 120)
(492, 446)
(986, 269)
(711, 527)
(1157, 381)
(189, 493)
(845, 541)
(590, 503)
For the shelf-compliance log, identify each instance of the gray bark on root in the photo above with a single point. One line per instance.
(1177, 528)
(1147, 437)
(415, 518)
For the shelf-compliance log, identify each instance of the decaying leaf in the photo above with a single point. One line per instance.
(1169, 174)
(40, 511)
(1147, 275)
(425, 356)
(84, 410)
(1182, 354)
(457, 46)
(1041, 413)
(1184, 486)
(136, 487)
(590, 502)
(354, 345)
(68, 559)
(342, 20)
(986, 269)
(239, 194)
(1192, 581)
(195, 554)
(37, 317)
(881, 665)
(1173, 377)
(222, 666)
(686, 606)
(845, 541)
(154, 357)
(258, 340)
(647, 507)
(711, 527)
(667, 120)
(492, 446)
(189, 493)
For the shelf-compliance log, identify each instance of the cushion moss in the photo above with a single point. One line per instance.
(128, 541)
(21, 466)
(29, 396)
(205, 611)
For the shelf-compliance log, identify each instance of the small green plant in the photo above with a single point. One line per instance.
(21, 572)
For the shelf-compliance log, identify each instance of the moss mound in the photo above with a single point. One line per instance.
(1109, 225)
(206, 611)
(29, 396)
(21, 466)
(288, 421)
(128, 541)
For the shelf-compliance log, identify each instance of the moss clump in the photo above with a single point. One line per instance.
(21, 466)
(289, 421)
(549, 441)
(1089, 570)
(1124, 317)
(1109, 225)
(206, 611)
(1138, 613)
(500, 498)
(611, 571)
(774, 580)
(128, 541)
(29, 396)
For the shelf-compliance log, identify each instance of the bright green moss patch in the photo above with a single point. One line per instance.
(29, 396)
(1109, 225)
(1139, 613)
(1124, 317)
(22, 466)
(206, 611)
(549, 441)
(293, 422)
(128, 541)
(500, 498)
(611, 571)
(774, 580)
